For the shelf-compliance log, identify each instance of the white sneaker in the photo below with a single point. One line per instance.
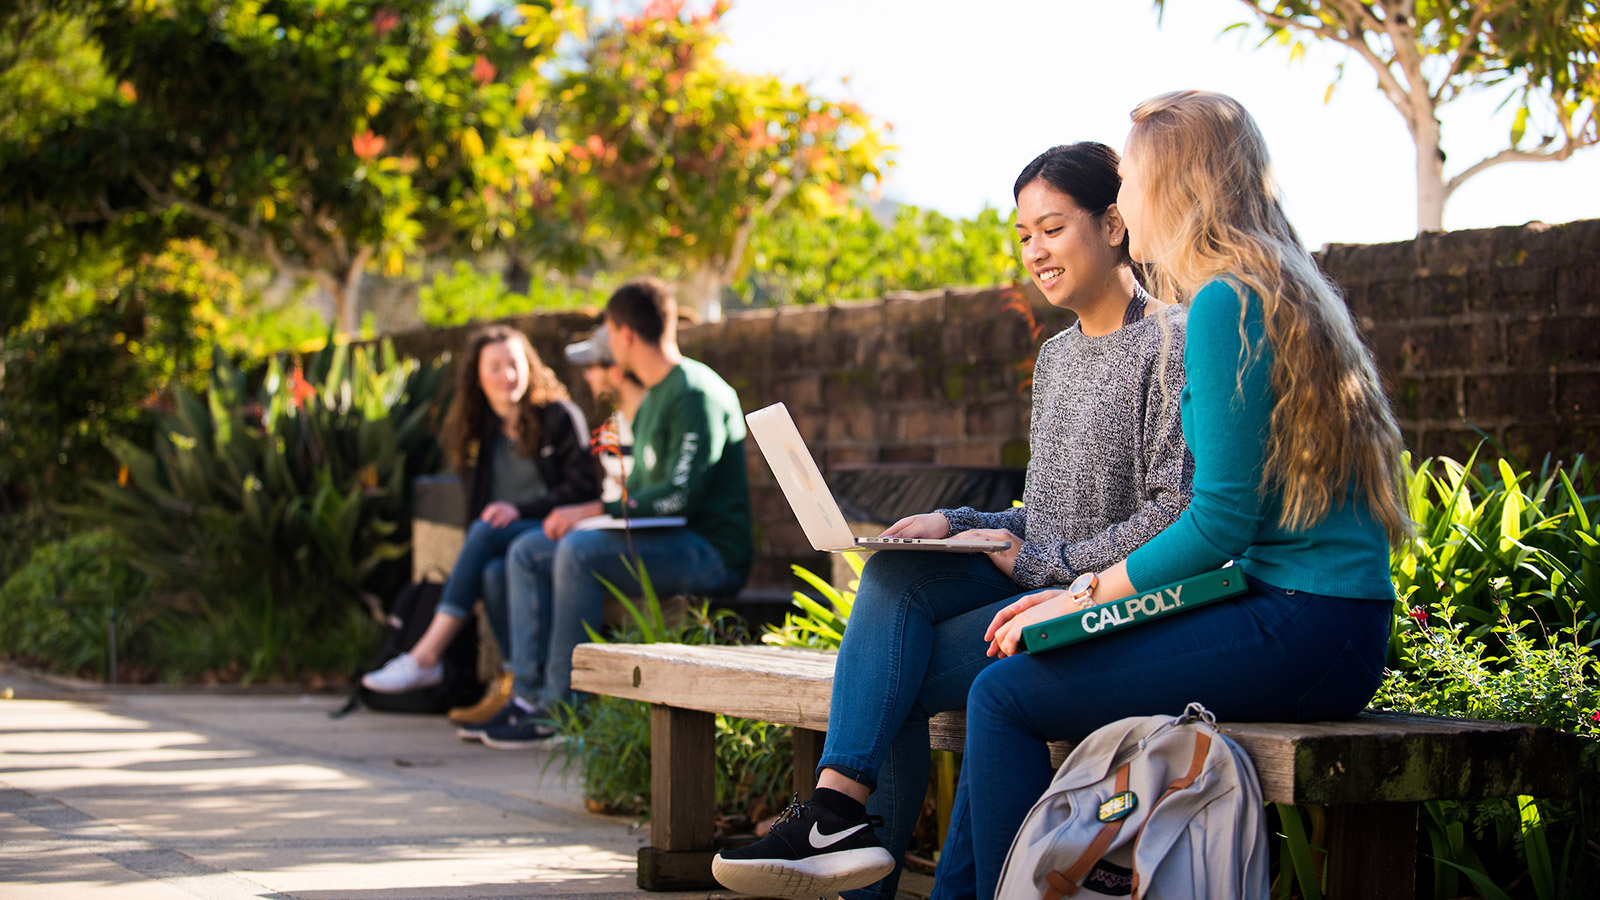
(402, 674)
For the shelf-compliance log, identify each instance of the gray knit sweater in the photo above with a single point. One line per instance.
(1109, 468)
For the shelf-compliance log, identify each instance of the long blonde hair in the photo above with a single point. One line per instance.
(1214, 213)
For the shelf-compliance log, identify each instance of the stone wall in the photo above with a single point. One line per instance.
(1495, 329)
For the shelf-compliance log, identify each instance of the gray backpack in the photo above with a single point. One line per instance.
(1149, 807)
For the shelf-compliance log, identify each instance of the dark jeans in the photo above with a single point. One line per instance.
(914, 645)
(1270, 655)
(483, 545)
(554, 593)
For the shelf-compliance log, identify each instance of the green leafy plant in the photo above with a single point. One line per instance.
(466, 294)
(817, 626)
(852, 255)
(609, 738)
(1493, 541)
(271, 514)
(60, 609)
(1520, 673)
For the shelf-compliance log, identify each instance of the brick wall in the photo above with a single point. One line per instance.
(1497, 329)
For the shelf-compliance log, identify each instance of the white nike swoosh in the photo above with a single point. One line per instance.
(819, 841)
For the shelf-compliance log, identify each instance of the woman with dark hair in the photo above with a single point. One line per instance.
(1109, 471)
(522, 449)
(1297, 481)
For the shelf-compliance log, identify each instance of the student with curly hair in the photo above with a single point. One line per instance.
(522, 450)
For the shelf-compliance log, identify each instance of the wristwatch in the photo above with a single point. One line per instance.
(1081, 588)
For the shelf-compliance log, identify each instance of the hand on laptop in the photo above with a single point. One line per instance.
(928, 525)
(1004, 560)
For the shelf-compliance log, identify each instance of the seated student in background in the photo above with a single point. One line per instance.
(1296, 478)
(1108, 472)
(522, 449)
(689, 461)
(623, 392)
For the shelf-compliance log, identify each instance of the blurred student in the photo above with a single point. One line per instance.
(522, 450)
(689, 462)
(618, 389)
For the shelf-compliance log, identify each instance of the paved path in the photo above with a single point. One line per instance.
(176, 795)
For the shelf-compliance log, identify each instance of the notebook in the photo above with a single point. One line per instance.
(813, 503)
(607, 523)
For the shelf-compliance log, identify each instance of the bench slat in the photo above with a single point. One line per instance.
(1375, 758)
(786, 686)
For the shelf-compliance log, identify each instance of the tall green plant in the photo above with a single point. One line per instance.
(272, 511)
(1493, 542)
(817, 626)
(609, 738)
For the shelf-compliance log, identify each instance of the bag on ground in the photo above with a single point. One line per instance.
(409, 615)
(1147, 807)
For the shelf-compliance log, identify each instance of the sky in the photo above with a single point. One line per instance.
(976, 90)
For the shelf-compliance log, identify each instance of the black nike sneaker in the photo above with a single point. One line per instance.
(811, 852)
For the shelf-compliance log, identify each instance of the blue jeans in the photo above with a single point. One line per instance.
(483, 544)
(495, 606)
(914, 645)
(553, 593)
(1269, 655)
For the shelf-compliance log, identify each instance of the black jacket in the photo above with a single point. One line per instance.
(570, 472)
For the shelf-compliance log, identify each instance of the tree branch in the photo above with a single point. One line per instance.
(248, 236)
(1512, 154)
(1391, 86)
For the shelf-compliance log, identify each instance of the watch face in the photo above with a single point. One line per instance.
(1083, 584)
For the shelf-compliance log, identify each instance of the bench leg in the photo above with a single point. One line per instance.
(807, 753)
(1372, 851)
(682, 801)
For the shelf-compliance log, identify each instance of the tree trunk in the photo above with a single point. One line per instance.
(1430, 175)
(705, 292)
(347, 296)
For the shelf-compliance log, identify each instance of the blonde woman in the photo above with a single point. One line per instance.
(1296, 456)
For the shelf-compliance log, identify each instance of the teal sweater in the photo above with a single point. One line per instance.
(688, 460)
(1225, 422)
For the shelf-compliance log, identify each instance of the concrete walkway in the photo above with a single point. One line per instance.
(148, 794)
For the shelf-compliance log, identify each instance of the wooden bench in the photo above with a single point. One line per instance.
(1371, 773)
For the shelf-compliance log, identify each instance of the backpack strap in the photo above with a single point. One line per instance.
(1202, 746)
(1065, 883)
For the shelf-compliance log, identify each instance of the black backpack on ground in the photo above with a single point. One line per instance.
(409, 616)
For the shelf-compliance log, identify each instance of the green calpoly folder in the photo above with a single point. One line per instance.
(1145, 606)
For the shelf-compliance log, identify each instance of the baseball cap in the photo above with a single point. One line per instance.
(596, 351)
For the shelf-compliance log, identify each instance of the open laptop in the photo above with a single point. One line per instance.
(813, 503)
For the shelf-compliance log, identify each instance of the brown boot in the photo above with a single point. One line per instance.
(494, 699)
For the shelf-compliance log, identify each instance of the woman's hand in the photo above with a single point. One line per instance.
(1005, 632)
(927, 525)
(1016, 610)
(1004, 560)
(499, 514)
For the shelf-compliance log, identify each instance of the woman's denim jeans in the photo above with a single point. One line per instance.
(483, 544)
(1269, 655)
(914, 645)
